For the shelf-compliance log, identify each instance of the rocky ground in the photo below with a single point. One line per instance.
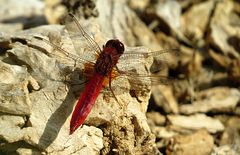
(196, 111)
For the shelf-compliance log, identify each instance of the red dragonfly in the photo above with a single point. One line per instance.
(101, 72)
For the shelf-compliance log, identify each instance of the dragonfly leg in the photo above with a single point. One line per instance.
(110, 87)
(118, 70)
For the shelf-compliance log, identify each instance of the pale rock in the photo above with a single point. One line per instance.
(225, 150)
(224, 30)
(14, 89)
(170, 12)
(27, 151)
(138, 5)
(164, 98)
(198, 143)
(163, 132)
(195, 20)
(218, 99)
(132, 31)
(15, 99)
(54, 11)
(155, 118)
(10, 28)
(195, 122)
(24, 12)
(10, 128)
(230, 139)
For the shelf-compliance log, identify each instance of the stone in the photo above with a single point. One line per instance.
(230, 139)
(138, 5)
(14, 89)
(218, 99)
(162, 132)
(54, 11)
(170, 12)
(195, 122)
(195, 20)
(191, 144)
(224, 150)
(128, 31)
(224, 33)
(155, 118)
(17, 12)
(163, 97)
(10, 28)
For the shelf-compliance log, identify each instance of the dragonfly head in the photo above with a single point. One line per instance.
(115, 43)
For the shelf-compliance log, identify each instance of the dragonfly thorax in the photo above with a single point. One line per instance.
(104, 64)
(109, 56)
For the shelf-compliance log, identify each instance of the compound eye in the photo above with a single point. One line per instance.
(116, 44)
(120, 47)
(110, 43)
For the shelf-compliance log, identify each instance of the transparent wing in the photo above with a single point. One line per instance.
(82, 41)
(137, 82)
(64, 56)
(131, 66)
(130, 59)
(142, 80)
(129, 54)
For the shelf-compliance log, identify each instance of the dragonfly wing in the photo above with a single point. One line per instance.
(143, 81)
(129, 53)
(83, 43)
(131, 58)
(63, 56)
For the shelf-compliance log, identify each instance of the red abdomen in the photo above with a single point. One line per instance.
(86, 101)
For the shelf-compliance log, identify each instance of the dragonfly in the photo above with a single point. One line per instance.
(103, 70)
